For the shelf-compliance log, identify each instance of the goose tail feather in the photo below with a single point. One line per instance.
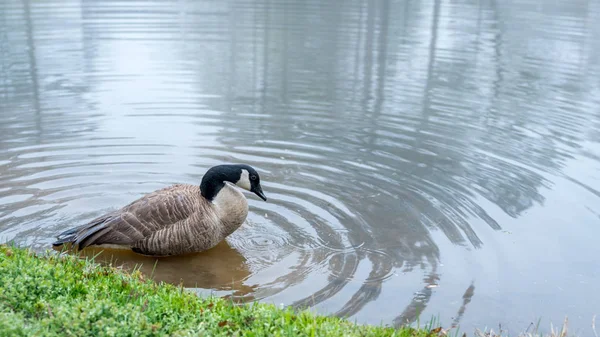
(81, 236)
(67, 236)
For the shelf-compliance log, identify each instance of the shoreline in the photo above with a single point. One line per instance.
(63, 295)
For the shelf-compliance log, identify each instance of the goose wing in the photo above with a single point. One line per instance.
(140, 219)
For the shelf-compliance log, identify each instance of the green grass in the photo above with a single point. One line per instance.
(63, 295)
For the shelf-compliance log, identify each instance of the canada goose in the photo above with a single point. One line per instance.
(175, 220)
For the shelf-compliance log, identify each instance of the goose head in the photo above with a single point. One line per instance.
(243, 176)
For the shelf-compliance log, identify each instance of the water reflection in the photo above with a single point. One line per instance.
(219, 268)
(466, 299)
(400, 141)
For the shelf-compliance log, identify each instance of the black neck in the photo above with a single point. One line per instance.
(209, 188)
(215, 178)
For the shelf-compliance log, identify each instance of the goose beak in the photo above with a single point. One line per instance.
(258, 191)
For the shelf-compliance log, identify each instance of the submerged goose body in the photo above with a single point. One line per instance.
(175, 220)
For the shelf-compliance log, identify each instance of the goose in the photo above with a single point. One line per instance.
(175, 220)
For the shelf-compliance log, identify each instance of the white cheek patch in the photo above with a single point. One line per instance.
(244, 181)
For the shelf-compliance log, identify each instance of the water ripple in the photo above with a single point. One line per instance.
(403, 145)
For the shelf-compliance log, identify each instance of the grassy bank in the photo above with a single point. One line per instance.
(66, 296)
(49, 296)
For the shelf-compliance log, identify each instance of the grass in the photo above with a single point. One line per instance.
(62, 295)
(65, 296)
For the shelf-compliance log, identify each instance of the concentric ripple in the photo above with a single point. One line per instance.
(419, 159)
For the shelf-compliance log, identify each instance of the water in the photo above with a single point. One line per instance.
(435, 158)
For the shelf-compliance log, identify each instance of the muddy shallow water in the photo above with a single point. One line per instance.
(435, 158)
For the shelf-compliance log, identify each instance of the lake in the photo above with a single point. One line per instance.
(421, 158)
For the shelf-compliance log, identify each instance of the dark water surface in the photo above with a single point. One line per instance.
(433, 157)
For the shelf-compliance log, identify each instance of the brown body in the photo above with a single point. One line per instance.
(171, 221)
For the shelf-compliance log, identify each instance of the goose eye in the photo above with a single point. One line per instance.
(253, 178)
